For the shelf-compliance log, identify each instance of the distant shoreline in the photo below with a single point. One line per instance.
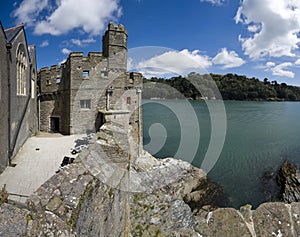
(219, 87)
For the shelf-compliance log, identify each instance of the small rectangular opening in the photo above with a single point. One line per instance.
(85, 104)
(85, 74)
(58, 80)
(104, 74)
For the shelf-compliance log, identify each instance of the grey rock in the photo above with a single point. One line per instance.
(273, 219)
(13, 221)
(288, 179)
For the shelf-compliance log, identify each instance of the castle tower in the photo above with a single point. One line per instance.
(114, 47)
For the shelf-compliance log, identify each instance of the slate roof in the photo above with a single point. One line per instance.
(11, 33)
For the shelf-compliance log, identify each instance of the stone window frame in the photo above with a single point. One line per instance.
(21, 68)
(85, 104)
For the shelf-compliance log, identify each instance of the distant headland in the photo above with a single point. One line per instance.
(216, 86)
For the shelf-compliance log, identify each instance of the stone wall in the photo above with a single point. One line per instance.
(23, 123)
(49, 79)
(89, 87)
(46, 109)
(3, 102)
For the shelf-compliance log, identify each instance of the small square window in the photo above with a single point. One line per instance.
(58, 80)
(104, 74)
(85, 74)
(85, 104)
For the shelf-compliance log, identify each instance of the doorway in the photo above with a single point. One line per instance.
(54, 124)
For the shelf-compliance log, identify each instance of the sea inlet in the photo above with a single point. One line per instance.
(259, 137)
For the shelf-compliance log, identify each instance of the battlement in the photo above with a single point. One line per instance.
(119, 27)
(94, 54)
(51, 69)
(76, 54)
(90, 57)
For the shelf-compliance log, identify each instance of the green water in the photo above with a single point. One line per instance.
(259, 137)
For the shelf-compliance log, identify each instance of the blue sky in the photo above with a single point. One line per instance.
(256, 38)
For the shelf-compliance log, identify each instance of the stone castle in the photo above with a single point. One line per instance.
(76, 98)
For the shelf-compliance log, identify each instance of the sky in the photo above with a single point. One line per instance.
(256, 38)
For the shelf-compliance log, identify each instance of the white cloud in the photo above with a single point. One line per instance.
(280, 69)
(297, 62)
(228, 59)
(88, 15)
(215, 2)
(172, 62)
(254, 28)
(66, 51)
(44, 44)
(273, 27)
(270, 64)
(29, 10)
(83, 42)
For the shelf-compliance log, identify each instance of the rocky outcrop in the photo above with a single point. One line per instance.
(108, 193)
(269, 219)
(14, 221)
(289, 180)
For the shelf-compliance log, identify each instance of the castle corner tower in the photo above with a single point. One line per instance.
(114, 47)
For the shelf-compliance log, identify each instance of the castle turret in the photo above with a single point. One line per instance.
(114, 46)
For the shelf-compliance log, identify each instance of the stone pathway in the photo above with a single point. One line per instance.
(36, 162)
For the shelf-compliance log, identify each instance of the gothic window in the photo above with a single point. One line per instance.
(33, 84)
(21, 66)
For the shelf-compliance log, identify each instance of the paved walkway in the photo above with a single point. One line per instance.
(36, 162)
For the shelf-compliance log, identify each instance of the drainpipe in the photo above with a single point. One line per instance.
(39, 111)
(8, 47)
(139, 91)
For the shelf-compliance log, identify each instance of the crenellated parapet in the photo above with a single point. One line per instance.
(119, 27)
(49, 79)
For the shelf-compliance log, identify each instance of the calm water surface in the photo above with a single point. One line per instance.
(259, 137)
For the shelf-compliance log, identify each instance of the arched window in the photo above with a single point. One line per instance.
(21, 66)
(33, 79)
